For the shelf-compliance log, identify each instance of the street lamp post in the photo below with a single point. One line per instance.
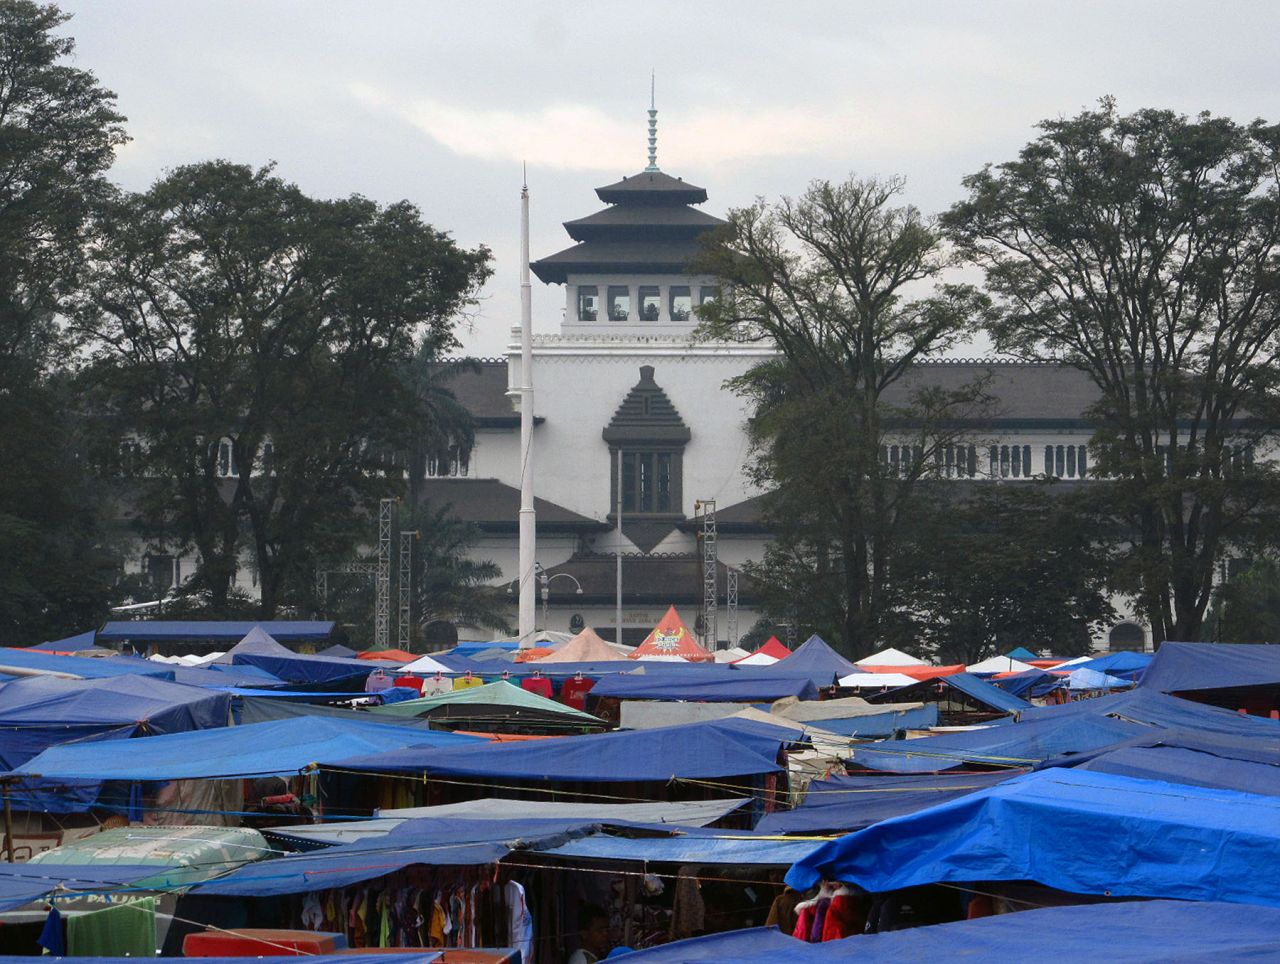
(545, 582)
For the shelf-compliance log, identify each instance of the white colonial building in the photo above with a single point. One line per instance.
(624, 377)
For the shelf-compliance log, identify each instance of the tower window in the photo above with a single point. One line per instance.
(650, 303)
(708, 293)
(681, 303)
(647, 481)
(588, 302)
(451, 462)
(619, 303)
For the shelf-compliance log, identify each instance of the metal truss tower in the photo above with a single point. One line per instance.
(382, 607)
(731, 604)
(404, 621)
(710, 562)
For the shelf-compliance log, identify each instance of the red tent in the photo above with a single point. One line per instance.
(772, 647)
(671, 637)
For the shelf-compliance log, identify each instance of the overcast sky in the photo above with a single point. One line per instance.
(440, 102)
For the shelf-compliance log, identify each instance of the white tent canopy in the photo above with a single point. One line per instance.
(999, 664)
(730, 655)
(877, 680)
(756, 659)
(891, 657)
(424, 666)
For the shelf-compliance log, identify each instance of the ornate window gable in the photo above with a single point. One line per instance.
(651, 436)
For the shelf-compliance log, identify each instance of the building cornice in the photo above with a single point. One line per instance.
(629, 345)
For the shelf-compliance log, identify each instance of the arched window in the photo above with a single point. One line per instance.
(1127, 636)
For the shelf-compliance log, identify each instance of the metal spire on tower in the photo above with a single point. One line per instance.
(653, 126)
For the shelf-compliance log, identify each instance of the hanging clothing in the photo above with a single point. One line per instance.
(53, 938)
(377, 682)
(846, 916)
(435, 685)
(125, 930)
(782, 912)
(574, 692)
(409, 682)
(538, 685)
(519, 922)
(466, 683)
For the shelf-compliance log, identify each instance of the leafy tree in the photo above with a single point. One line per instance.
(847, 287)
(1246, 607)
(1142, 249)
(255, 339)
(999, 566)
(58, 133)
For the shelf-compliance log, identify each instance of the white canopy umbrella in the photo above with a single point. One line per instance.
(999, 664)
(891, 657)
(877, 680)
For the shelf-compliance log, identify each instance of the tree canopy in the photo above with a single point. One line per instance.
(847, 285)
(255, 342)
(1142, 249)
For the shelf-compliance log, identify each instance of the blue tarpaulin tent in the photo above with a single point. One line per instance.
(729, 686)
(26, 662)
(432, 841)
(853, 802)
(1011, 745)
(1133, 932)
(1126, 664)
(279, 746)
(1021, 654)
(977, 690)
(1184, 667)
(23, 883)
(879, 725)
(1092, 679)
(720, 748)
(39, 712)
(79, 643)
(1156, 709)
(308, 669)
(1186, 756)
(1094, 833)
(216, 629)
(815, 659)
(1019, 684)
(691, 846)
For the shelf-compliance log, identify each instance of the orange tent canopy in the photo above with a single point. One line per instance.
(671, 637)
(387, 655)
(1044, 663)
(533, 653)
(916, 672)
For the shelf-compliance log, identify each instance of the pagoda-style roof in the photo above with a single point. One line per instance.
(651, 187)
(646, 416)
(624, 257)
(633, 220)
(649, 228)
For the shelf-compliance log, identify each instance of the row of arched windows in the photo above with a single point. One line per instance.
(1005, 461)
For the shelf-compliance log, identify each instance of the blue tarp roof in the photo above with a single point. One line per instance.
(815, 659)
(279, 746)
(1092, 679)
(730, 686)
(1011, 745)
(86, 667)
(1186, 756)
(1020, 683)
(158, 629)
(39, 712)
(1133, 932)
(1021, 653)
(1117, 664)
(1146, 706)
(23, 883)
(720, 748)
(70, 644)
(691, 845)
(1094, 833)
(854, 802)
(881, 724)
(984, 692)
(407, 957)
(307, 669)
(429, 841)
(1182, 667)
